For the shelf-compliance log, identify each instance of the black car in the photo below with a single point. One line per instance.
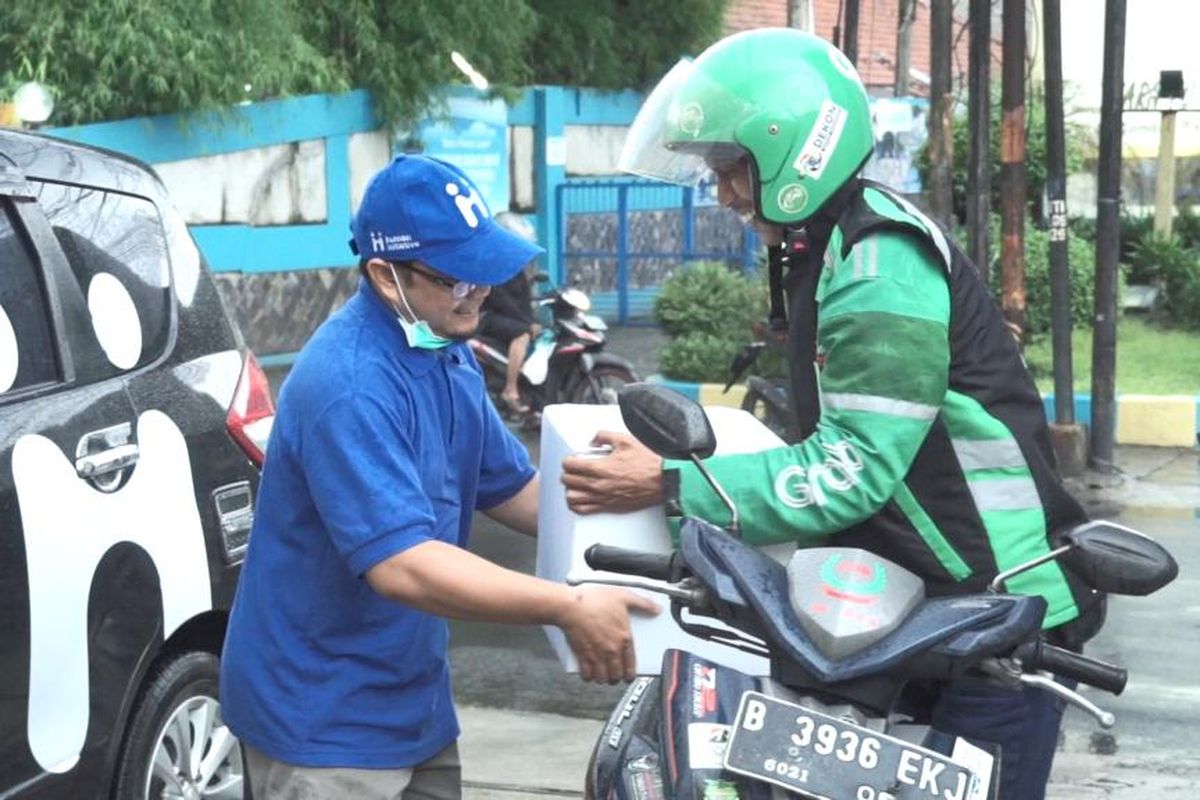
(132, 426)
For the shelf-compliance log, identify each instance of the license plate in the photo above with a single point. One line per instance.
(827, 758)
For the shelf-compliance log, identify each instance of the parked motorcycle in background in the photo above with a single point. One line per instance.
(566, 361)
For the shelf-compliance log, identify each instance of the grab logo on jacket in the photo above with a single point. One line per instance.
(800, 487)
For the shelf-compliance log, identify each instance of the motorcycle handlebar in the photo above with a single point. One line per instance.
(1093, 672)
(657, 566)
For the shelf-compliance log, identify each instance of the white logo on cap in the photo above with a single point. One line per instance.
(467, 205)
(376, 241)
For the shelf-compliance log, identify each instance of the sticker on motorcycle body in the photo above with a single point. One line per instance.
(980, 762)
(830, 759)
(706, 745)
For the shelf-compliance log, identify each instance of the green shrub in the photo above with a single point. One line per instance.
(709, 297)
(1133, 231)
(699, 357)
(1081, 257)
(1168, 263)
(1187, 227)
(710, 311)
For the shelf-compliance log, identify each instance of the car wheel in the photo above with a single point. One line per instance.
(177, 746)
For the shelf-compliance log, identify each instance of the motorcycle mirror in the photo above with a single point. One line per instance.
(1117, 559)
(666, 421)
(744, 359)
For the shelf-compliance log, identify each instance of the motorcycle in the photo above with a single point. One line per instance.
(844, 632)
(566, 361)
(765, 399)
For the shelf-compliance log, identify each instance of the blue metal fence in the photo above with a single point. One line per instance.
(620, 239)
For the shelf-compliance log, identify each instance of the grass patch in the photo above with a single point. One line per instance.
(1150, 359)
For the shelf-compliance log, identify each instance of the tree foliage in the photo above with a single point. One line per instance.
(108, 59)
(1078, 140)
(619, 44)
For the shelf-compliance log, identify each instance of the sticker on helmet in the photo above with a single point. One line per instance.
(691, 119)
(843, 64)
(822, 140)
(792, 198)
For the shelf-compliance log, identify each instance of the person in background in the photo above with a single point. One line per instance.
(508, 317)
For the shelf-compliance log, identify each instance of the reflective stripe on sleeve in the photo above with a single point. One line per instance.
(881, 405)
(988, 453)
(1004, 494)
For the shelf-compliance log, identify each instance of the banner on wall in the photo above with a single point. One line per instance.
(901, 128)
(473, 136)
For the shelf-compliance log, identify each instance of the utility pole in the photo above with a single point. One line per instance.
(906, 16)
(1108, 240)
(1070, 444)
(979, 123)
(941, 113)
(800, 14)
(1012, 169)
(850, 34)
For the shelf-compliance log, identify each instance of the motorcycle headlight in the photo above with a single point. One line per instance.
(576, 299)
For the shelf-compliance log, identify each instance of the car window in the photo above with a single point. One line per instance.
(27, 353)
(117, 249)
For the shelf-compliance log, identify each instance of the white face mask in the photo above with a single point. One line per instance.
(418, 333)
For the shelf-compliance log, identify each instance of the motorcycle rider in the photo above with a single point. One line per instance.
(508, 316)
(926, 438)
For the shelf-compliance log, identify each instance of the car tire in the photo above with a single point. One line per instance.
(177, 743)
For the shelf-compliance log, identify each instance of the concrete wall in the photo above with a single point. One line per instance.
(279, 185)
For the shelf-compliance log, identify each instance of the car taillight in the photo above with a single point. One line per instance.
(252, 412)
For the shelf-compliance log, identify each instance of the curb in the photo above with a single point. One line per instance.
(1155, 420)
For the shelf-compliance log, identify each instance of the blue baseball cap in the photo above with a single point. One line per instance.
(420, 208)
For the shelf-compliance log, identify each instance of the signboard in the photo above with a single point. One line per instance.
(474, 137)
(901, 129)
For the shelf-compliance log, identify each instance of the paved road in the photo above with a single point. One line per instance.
(1153, 751)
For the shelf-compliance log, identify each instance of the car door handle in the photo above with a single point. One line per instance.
(106, 462)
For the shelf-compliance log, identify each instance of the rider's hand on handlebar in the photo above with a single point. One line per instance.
(596, 624)
(628, 479)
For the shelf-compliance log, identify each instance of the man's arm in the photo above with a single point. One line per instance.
(519, 512)
(884, 333)
(442, 579)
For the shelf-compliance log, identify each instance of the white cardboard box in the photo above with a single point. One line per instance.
(563, 535)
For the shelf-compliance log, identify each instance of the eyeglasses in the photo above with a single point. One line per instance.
(458, 289)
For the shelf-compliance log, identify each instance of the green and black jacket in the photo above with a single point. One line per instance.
(931, 446)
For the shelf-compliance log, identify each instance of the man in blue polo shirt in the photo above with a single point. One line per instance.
(335, 675)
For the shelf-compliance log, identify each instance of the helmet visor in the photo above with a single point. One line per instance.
(684, 128)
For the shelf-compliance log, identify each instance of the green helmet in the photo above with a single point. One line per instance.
(789, 100)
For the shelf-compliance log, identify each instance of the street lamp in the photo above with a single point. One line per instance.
(1170, 96)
